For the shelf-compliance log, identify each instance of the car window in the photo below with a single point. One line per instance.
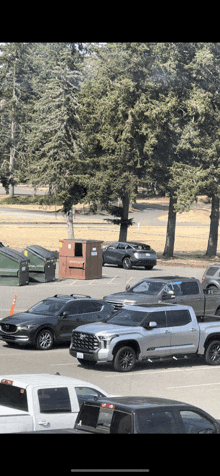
(85, 393)
(13, 397)
(159, 317)
(147, 287)
(49, 306)
(88, 306)
(54, 400)
(154, 421)
(178, 317)
(189, 288)
(71, 307)
(113, 246)
(211, 271)
(195, 423)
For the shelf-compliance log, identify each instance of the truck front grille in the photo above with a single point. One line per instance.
(8, 328)
(84, 341)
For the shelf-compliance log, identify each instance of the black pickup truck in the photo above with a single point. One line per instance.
(169, 289)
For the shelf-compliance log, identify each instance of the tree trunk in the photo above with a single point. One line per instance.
(171, 227)
(124, 218)
(12, 148)
(213, 231)
(70, 215)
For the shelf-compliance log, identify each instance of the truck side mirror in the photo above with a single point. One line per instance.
(150, 325)
(168, 295)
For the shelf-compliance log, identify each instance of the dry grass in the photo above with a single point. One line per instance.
(190, 242)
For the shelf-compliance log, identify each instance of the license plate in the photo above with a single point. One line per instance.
(79, 355)
(147, 254)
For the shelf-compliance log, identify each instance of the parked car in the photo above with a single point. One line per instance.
(143, 415)
(53, 319)
(211, 277)
(34, 402)
(129, 254)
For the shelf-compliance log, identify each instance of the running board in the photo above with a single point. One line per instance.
(162, 359)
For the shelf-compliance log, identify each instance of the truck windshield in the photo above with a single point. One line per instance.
(47, 307)
(13, 397)
(128, 318)
(147, 287)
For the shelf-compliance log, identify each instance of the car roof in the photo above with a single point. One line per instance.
(134, 403)
(24, 380)
(149, 307)
(166, 278)
(66, 297)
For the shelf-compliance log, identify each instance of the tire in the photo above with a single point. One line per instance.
(89, 364)
(126, 263)
(125, 359)
(44, 340)
(212, 353)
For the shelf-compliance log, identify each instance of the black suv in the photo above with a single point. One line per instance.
(129, 254)
(53, 319)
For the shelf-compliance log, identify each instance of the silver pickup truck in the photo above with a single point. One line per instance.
(147, 333)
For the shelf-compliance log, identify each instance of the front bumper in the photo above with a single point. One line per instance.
(16, 338)
(101, 356)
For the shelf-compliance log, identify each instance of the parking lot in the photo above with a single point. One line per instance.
(188, 380)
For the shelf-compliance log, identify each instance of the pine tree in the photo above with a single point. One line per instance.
(15, 93)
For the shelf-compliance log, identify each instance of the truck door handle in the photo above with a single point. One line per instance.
(43, 423)
(166, 332)
(193, 329)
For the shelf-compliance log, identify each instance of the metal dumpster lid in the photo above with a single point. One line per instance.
(14, 254)
(42, 252)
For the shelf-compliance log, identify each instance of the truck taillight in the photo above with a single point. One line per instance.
(7, 382)
(107, 405)
(203, 279)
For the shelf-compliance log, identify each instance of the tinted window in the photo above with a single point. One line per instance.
(121, 246)
(178, 317)
(89, 416)
(13, 397)
(154, 421)
(189, 288)
(195, 423)
(54, 400)
(159, 317)
(88, 306)
(71, 307)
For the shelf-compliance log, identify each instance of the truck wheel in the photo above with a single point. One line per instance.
(125, 359)
(126, 263)
(44, 340)
(89, 364)
(212, 354)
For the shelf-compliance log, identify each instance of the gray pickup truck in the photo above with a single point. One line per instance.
(176, 290)
(147, 333)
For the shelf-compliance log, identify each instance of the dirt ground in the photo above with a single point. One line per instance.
(192, 232)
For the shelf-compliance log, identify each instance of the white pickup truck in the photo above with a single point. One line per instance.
(33, 402)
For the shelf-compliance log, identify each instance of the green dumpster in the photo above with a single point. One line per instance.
(13, 267)
(42, 265)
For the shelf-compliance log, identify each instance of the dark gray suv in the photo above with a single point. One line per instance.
(128, 254)
(211, 277)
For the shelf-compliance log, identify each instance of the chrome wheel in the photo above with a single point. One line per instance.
(44, 340)
(212, 355)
